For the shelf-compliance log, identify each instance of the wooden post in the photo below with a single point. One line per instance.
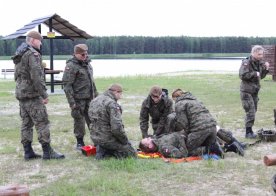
(270, 56)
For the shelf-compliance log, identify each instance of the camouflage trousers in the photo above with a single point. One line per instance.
(118, 150)
(34, 113)
(250, 105)
(199, 138)
(80, 116)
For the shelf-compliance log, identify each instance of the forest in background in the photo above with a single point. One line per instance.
(146, 45)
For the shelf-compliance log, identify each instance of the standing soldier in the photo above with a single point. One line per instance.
(252, 70)
(106, 128)
(32, 95)
(158, 107)
(80, 89)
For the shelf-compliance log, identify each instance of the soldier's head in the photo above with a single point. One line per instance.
(147, 145)
(257, 52)
(117, 90)
(80, 52)
(34, 39)
(155, 94)
(177, 93)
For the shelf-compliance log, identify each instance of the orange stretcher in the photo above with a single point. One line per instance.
(145, 155)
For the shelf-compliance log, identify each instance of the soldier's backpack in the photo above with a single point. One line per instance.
(267, 135)
(165, 92)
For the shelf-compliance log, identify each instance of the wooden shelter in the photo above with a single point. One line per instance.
(55, 24)
(270, 56)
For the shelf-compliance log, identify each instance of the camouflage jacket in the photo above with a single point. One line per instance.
(172, 145)
(158, 113)
(106, 120)
(192, 114)
(78, 81)
(29, 74)
(250, 83)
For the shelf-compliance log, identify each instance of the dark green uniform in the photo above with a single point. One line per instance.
(30, 90)
(196, 121)
(250, 86)
(172, 145)
(80, 89)
(107, 129)
(158, 113)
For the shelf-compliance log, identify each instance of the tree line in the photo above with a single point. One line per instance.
(147, 45)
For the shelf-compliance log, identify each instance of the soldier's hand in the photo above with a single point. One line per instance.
(75, 106)
(266, 65)
(45, 101)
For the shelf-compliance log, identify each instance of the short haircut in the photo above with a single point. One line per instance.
(177, 92)
(256, 48)
(144, 148)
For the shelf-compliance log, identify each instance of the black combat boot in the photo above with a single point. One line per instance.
(249, 133)
(216, 149)
(236, 147)
(29, 152)
(80, 143)
(49, 153)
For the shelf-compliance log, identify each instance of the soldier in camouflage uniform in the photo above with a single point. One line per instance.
(80, 89)
(197, 121)
(106, 128)
(157, 107)
(170, 145)
(252, 70)
(32, 95)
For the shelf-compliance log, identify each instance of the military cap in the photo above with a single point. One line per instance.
(116, 87)
(80, 48)
(35, 35)
(155, 91)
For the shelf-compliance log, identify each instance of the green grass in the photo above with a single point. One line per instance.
(148, 56)
(80, 175)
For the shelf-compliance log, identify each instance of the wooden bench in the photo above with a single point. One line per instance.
(7, 71)
(52, 72)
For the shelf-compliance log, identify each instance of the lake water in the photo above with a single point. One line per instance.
(112, 68)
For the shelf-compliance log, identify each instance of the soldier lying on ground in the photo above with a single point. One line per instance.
(158, 107)
(106, 128)
(172, 145)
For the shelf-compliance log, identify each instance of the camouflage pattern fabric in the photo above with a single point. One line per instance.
(250, 106)
(172, 124)
(158, 113)
(192, 114)
(78, 81)
(30, 90)
(250, 86)
(172, 145)
(225, 136)
(106, 128)
(80, 116)
(205, 137)
(196, 120)
(29, 74)
(80, 89)
(34, 113)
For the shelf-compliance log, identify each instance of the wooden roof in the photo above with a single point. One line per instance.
(59, 25)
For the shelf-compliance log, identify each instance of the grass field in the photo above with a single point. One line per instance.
(80, 175)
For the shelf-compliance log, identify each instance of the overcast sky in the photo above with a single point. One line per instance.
(149, 17)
